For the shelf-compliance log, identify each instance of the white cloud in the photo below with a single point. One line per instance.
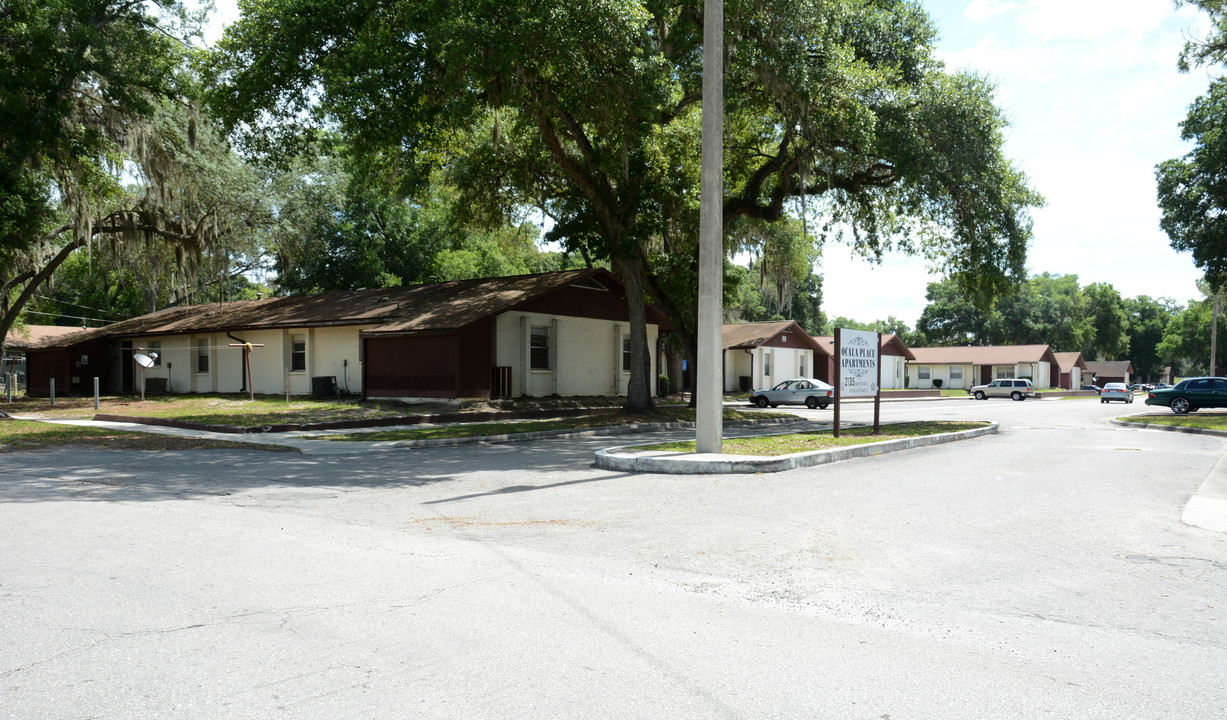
(979, 10)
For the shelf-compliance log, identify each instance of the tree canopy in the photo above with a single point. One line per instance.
(590, 111)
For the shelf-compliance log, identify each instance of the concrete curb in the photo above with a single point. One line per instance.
(612, 430)
(1169, 428)
(693, 464)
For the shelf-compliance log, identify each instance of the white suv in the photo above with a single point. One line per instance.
(1009, 387)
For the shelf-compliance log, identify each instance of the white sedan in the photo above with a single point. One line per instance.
(798, 391)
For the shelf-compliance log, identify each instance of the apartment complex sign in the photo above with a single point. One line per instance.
(858, 363)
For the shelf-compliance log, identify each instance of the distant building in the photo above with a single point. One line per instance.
(564, 333)
(1106, 371)
(768, 352)
(1072, 368)
(967, 366)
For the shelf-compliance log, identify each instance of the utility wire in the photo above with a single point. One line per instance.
(65, 302)
(73, 317)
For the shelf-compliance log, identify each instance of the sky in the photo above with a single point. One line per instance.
(1094, 100)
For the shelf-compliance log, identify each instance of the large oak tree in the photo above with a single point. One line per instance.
(590, 110)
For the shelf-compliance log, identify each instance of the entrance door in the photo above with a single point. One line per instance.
(125, 362)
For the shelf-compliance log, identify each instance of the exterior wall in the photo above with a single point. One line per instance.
(334, 351)
(737, 364)
(1039, 372)
(893, 369)
(330, 351)
(585, 354)
(945, 373)
(783, 363)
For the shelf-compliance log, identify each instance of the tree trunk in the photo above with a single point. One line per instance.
(639, 391)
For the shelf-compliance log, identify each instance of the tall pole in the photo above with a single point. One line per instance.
(709, 406)
(1214, 334)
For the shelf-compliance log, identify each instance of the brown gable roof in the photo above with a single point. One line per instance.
(891, 345)
(1067, 361)
(36, 334)
(1110, 368)
(412, 308)
(983, 355)
(757, 334)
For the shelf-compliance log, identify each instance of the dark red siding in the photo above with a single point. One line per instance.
(584, 302)
(410, 366)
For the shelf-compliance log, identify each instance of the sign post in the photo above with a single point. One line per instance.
(251, 390)
(859, 372)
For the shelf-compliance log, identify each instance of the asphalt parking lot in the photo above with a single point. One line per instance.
(1041, 572)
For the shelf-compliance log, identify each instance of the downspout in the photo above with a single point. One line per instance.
(243, 367)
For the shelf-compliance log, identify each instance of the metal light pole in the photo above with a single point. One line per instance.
(709, 409)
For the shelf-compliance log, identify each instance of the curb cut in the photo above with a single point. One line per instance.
(691, 464)
(1169, 428)
(612, 430)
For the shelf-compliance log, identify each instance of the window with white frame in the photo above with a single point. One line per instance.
(539, 348)
(767, 364)
(298, 353)
(1004, 372)
(626, 353)
(956, 372)
(923, 372)
(202, 355)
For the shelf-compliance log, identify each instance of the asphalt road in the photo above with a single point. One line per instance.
(1039, 573)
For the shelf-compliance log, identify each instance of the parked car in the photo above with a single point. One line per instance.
(1013, 388)
(798, 391)
(1096, 388)
(1116, 391)
(1192, 394)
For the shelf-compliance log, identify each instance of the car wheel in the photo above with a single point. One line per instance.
(1180, 406)
(775, 405)
(1102, 401)
(1016, 395)
(761, 402)
(979, 394)
(822, 405)
(811, 402)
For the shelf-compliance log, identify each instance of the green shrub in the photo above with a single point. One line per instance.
(743, 382)
(662, 385)
(937, 382)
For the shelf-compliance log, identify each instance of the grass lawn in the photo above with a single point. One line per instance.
(1199, 419)
(210, 409)
(18, 435)
(771, 445)
(662, 415)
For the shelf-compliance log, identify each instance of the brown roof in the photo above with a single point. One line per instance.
(1110, 368)
(36, 334)
(412, 308)
(757, 334)
(891, 345)
(1069, 361)
(983, 355)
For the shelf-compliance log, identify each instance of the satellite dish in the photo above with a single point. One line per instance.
(143, 360)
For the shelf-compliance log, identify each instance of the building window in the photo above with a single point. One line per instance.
(767, 364)
(956, 372)
(202, 356)
(155, 352)
(922, 373)
(1003, 373)
(539, 348)
(298, 353)
(626, 353)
